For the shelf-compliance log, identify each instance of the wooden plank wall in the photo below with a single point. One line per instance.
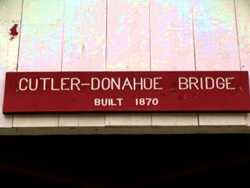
(40, 49)
(84, 49)
(215, 36)
(172, 49)
(242, 8)
(111, 35)
(128, 48)
(10, 14)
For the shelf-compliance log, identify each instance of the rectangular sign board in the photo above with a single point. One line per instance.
(37, 92)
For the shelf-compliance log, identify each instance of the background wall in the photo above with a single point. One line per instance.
(104, 35)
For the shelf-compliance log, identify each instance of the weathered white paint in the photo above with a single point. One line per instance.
(40, 49)
(128, 48)
(84, 48)
(172, 49)
(10, 14)
(243, 21)
(223, 119)
(70, 35)
(216, 48)
(10, 11)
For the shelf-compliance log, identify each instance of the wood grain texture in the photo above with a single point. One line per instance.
(40, 49)
(10, 14)
(70, 35)
(243, 23)
(128, 48)
(84, 49)
(216, 48)
(172, 49)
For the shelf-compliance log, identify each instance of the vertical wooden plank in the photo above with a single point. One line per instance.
(40, 49)
(84, 48)
(84, 35)
(243, 23)
(10, 15)
(172, 49)
(216, 48)
(128, 48)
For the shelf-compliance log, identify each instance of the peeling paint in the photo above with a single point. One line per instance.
(13, 31)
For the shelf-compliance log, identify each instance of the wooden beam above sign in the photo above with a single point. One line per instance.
(185, 91)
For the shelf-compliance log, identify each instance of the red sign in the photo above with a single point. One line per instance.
(126, 92)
